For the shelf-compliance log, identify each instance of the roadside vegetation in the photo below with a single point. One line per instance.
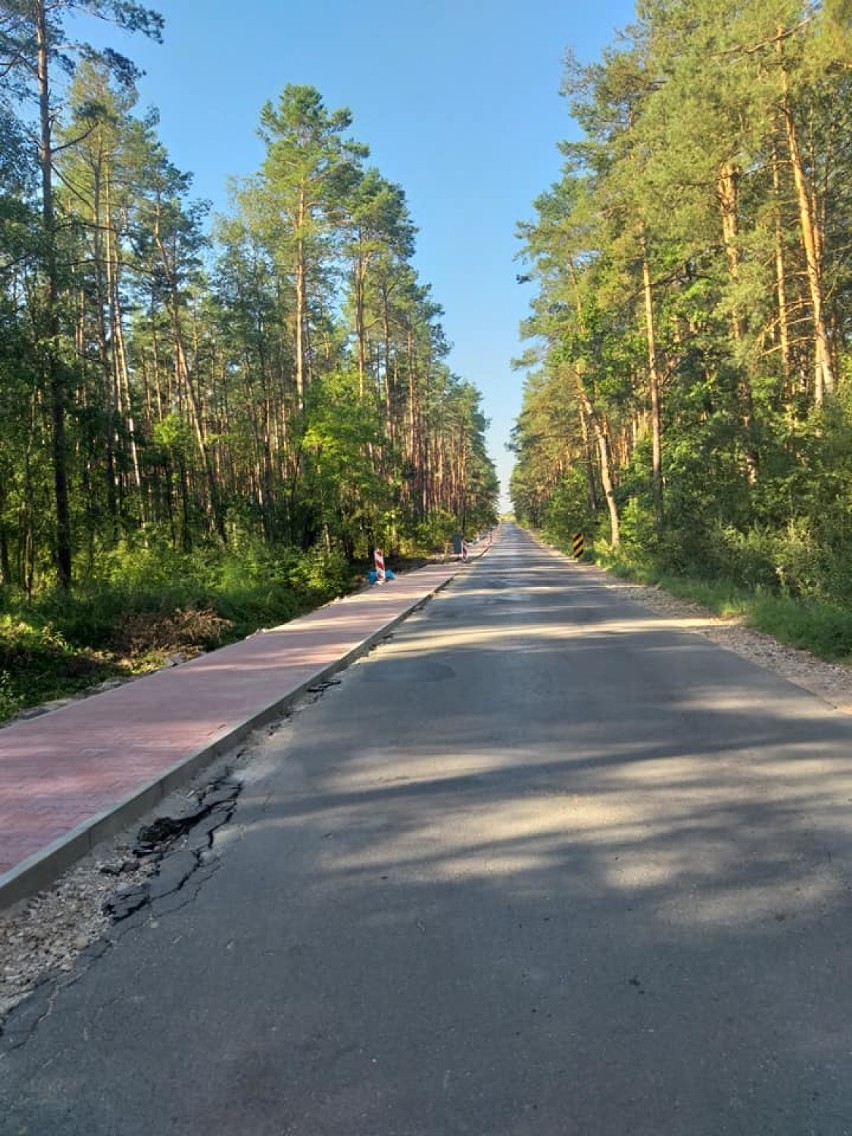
(147, 607)
(207, 425)
(688, 405)
(813, 624)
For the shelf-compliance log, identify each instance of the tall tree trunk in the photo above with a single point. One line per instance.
(52, 363)
(780, 270)
(812, 241)
(185, 378)
(728, 190)
(591, 488)
(655, 388)
(604, 459)
(119, 349)
(5, 563)
(728, 194)
(601, 439)
(108, 399)
(301, 302)
(390, 424)
(360, 333)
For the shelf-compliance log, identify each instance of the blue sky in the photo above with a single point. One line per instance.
(457, 99)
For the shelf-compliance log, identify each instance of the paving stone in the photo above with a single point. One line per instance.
(62, 769)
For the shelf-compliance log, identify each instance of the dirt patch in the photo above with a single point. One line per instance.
(44, 934)
(187, 631)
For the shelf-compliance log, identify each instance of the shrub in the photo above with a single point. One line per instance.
(320, 573)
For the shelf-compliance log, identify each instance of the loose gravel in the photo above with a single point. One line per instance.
(41, 937)
(832, 682)
(44, 934)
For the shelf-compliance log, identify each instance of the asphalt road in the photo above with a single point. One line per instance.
(542, 864)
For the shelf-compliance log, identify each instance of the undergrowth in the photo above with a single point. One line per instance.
(142, 604)
(815, 625)
(822, 628)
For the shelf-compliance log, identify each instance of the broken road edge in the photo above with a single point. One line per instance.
(44, 867)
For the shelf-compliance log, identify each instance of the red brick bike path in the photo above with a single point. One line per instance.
(76, 775)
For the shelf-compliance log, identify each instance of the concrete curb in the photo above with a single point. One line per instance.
(45, 866)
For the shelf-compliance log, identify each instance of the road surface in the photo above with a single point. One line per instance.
(542, 864)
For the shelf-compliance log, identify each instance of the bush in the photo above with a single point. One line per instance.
(321, 573)
(144, 601)
(568, 510)
(639, 537)
(749, 558)
(822, 628)
(11, 700)
(435, 534)
(38, 664)
(799, 562)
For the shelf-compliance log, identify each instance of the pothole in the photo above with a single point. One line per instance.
(194, 830)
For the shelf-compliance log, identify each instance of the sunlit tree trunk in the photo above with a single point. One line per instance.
(604, 460)
(655, 384)
(812, 242)
(300, 314)
(185, 379)
(780, 270)
(728, 194)
(52, 362)
(119, 348)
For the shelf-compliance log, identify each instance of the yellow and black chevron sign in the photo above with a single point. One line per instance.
(577, 545)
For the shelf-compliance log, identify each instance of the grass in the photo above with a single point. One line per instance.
(57, 646)
(824, 629)
(37, 665)
(60, 646)
(814, 625)
(151, 607)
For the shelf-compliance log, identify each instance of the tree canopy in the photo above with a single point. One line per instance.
(689, 336)
(277, 375)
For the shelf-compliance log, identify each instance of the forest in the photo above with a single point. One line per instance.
(689, 340)
(227, 410)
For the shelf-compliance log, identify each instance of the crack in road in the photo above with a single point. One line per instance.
(180, 847)
(178, 852)
(176, 865)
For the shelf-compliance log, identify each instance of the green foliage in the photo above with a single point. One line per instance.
(568, 510)
(640, 537)
(146, 601)
(822, 628)
(251, 587)
(690, 340)
(200, 435)
(787, 562)
(37, 663)
(167, 395)
(11, 700)
(321, 573)
(435, 534)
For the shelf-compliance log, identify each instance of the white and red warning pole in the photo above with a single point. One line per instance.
(379, 558)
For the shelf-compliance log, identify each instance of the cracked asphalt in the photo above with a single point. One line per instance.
(543, 863)
(196, 830)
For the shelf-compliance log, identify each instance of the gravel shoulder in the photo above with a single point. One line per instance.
(832, 682)
(41, 937)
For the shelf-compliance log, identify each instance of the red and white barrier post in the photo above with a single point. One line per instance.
(379, 558)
